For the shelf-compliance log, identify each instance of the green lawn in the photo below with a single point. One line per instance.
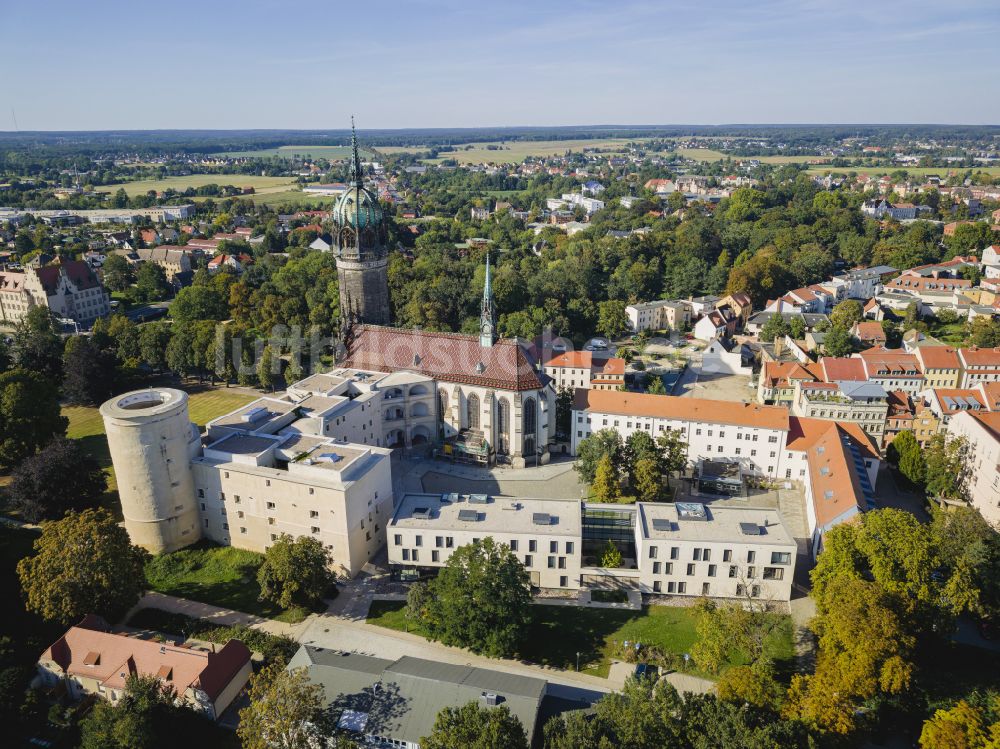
(293, 198)
(220, 575)
(86, 425)
(952, 334)
(558, 633)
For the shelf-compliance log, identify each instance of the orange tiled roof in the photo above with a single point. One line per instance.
(683, 409)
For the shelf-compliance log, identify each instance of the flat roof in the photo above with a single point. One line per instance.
(243, 444)
(499, 514)
(660, 522)
(255, 415)
(318, 383)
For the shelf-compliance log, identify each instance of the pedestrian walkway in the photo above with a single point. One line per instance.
(217, 614)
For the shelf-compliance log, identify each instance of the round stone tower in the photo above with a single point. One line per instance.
(152, 442)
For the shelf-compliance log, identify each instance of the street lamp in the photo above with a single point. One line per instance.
(578, 661)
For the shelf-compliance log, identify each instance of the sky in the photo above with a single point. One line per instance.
(221, 64)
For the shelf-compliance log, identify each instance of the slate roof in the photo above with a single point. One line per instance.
(449, 357)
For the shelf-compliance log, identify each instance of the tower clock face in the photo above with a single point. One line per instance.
(488, 329)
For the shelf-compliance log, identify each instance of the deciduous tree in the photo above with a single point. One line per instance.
(607, 482)
(58, 478)
(29, 415)
(295, 571)
(83, 564)
(476, 727)
(284, 711)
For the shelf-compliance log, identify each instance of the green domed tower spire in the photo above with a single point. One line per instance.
(360, 242)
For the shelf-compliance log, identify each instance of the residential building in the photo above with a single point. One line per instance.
(979, 365)
(91, 661)
(893, 369)
(945, 403)
(868, 333)
(384, 703)
(750, 435)
(758, 320)
(579, 369)
(861, 403)
(900, 416)
(776, 383)
(664, 314)
(940, 365)
(741, 305)
(175, 261)
(981, 431)
(712, 325)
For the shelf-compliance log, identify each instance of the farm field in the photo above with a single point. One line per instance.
(922, 171)
(518, 151)
(86, 425)
(316, 152)
(557, 633)
(199, 180)
(707, 154)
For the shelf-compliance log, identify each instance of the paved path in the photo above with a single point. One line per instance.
(217, 614)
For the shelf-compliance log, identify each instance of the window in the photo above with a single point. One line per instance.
(201, 493)
(754, 591)
(751, 572)
(532, 545)
(243, 531)
(781, 557)
(562, 563)
(439, 541)
(733, 570)
(682, 587)
(671, 587)
(774, 573)
(675, 552)
(711, 570)
(236, 498)
(652, 552)
(553, 547)
(513, 544)
(315, 529)
(751, 556)
(706, 555)
(563, 581)
(552, 563)
(656, 586)
(414, 554)
(569, 547)
(274, 537)
(435, 556)
(705, 589)
(527, 560)
(270, 521)
(203, 505)
(397, 539)
(690, 569)
(406, 555)
(419, 540)
(740, 590)
(314, 513)
(449, 542)
(270, 505)
(668, 568)
(697, 555)
(656, 568)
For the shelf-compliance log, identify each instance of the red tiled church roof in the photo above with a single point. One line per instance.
(450, 357)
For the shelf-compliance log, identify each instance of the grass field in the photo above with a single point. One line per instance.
(86, 425)
(923, 171)
(199, 180)
(317, 152)
(516, 151)
(220, 575)
(295, 198)
(558, 633)
(707, 154)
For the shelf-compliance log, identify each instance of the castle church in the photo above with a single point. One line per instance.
(493, 402)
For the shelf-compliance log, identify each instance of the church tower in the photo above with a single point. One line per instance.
(360, 243)
(487, 315)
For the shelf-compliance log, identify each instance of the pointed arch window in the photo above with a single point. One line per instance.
(472, 409)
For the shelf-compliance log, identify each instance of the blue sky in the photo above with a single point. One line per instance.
(466, 63)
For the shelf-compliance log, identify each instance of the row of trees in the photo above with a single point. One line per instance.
(604, 460)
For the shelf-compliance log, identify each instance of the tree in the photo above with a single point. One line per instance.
(60, 477)
(673, 452)
(969, 552)
(89, 372)
(796, 327)
(84, 564)
(151, 283)
(838, 342)
(29, 415)
(754, 685)
(945, 466)
(154, 338)
(648, 481)
(612, 319)
(266, 367)
(125, 336)
(655, 386)
(984, 332)
(199, 303)
(476, 727)
(295, 571)
(607, 484)
(644, 714)
(37, 346)
(591, 449)
(285, 710)
(905, 452)
(117, 273)
(775, 327)
(960, 727)
(147, 716)
(846, 313)
(611, 557)
(480, 600)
